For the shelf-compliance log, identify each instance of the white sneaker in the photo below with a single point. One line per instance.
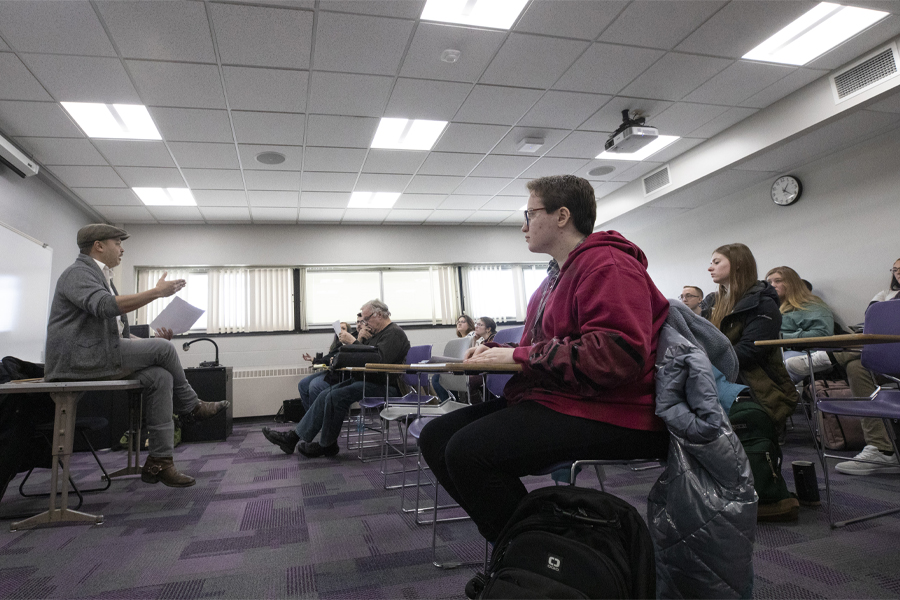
(887, 464)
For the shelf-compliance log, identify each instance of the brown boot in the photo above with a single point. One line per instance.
(162, 469)
(206, 410)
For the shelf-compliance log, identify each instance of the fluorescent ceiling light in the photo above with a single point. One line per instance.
(116, 121)
(373, 199)
(814, 33)
(499, 14)
(652, 148)
(165, 196)
(407, 134)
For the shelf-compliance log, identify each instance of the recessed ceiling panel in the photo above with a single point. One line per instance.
(476, 47)
(152, 177)
(607, 68)
(462, 137)
(265, 214)
(214, 179)
(321, 215)
(262, 37)
(196, 155)
(494, 105)
(127, 214)
(88, 177)
(458, 201)
(83, 79)
(63, 28)
(722, 122)
(333, 159)
(532, 61)
(108, 196)
(503, 165)
(781, 88)
(608, 118)
(553, 166)
(175, 213)
(178, 84)
(220, 197)
(272, 180)
(347, 132)
(62, 151)
(312, 181)
(45, 119)
(659, 23)
(421, 99)
(324, 199)
(393, 161)
(432, 184)
(360, 44)
(684, 117)
(268, 128)
(580, 144)
(583, 19)
(225, 213)
(349, 95)
(449, 163)
(674, 76)
(481, 185)
(563, 110)
(409, 9)
(266, 89)
(18, 83)
(738, 82)
(377, 182)
(407, 216)
(192, 124)
(273, 198)
(419, 201)
(135, 153)
(293, 157)
(449, 216)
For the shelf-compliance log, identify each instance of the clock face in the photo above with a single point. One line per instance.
(786, 190)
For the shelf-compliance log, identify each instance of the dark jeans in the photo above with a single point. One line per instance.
(479, 453)
(327, 412)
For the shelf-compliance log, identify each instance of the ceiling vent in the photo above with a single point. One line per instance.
(867, 72)
(656, 180)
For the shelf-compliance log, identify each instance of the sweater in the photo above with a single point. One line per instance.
(814, 320)
(393, 345)
(593, 352)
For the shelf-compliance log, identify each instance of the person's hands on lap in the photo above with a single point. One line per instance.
(164, 333)
(167, 288)
(483, 354)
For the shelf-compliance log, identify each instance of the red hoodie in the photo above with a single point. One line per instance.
(594, 354)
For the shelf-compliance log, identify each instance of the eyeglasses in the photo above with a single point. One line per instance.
(366, 319)
(686, 296)
(529, 214)
(895, 270)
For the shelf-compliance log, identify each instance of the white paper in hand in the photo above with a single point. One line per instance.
(179, 316)
(337, 327)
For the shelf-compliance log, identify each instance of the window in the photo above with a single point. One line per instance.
(501, 291)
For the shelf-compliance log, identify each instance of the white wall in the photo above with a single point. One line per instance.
(842, 235)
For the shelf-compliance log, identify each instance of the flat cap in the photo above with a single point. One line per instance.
(89, 234)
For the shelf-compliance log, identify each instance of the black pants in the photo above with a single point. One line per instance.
(478, 453)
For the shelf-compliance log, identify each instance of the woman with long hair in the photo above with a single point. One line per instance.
(485, 330)
(803, 314)
(465, 326)
(893, 288)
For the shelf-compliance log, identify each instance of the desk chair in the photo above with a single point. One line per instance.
(456, 348)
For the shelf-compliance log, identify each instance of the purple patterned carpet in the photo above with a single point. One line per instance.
(260, 524)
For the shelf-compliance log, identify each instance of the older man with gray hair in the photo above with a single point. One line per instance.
(88, 338)
(330, 408)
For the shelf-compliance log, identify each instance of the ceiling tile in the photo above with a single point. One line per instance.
(151, 177)
(311, 181)
(507, 203)
(3, 45)
(39, 119)
(407, 216)
(178, 84)
(607, 68)
(481, 185)
(476, 46)
(449, 163)
(489, 217)
(293, 156)
(510, 142)
(230, 213)
(609, 117)
(365, 215)
(432, 184)
(722, 122)
(859, 45)
(227, 198)
(61, 151)
(88, 177)
(268, 128)
(269, 198)
(277, 215)
(674, 76)
(463, 202)
(449, 216)
(393, 161)
(659, 23)
(563, 110)
(532, 61)
(135, 153)
(515, 220)
(502, 165)
(410, 9)
(553, 166)
(421, 99)
(349, 95)
(321, 215)
(108, 196)
(197, 155)
(781, 88)
(83, 78)
(18, 83)
(377, 182)
(580, 144)
(684, 117)
(618, 167)
(348, 132)
(266, 89)
(65, 28)
(360, 44)
(496, 105)
(272, 180)
(462, 137)
(517, 188)
(127, 214)
(583, 19)
(160, 30)
(192, 124)
(333, 159)
(262, 37)
(741, 26)
(738, 82)
(175, 213)
(324, 200)
(419, 201)
(213, 179)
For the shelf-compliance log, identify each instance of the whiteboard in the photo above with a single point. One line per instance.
(24, 295)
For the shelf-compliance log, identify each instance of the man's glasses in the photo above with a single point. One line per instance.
(529, 214)
(684, 297)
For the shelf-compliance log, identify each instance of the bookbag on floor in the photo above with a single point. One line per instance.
(755, 429)
(839, 432)
(570, 542)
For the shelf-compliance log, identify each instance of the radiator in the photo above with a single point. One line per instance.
(259, 391)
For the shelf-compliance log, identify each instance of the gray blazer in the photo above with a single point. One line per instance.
(82, 335)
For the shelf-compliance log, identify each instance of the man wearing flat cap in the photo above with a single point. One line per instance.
(88, 339)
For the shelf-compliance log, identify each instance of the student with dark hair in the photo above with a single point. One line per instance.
(586, 389)
(465, 326)
(485, 330)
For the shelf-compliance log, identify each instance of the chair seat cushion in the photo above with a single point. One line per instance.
(886, 405)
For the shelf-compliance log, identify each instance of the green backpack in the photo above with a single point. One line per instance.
(755, 429)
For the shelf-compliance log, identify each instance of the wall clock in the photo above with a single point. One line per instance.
(786, 190)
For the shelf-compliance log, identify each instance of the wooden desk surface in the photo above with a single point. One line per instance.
(68, 386)
(852, 340)
(459, 367)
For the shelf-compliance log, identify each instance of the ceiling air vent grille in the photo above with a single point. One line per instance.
(657, 180)
(881, 65)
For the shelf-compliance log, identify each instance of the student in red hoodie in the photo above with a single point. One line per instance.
(586, 390)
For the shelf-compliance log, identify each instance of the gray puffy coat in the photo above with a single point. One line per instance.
(702, 509)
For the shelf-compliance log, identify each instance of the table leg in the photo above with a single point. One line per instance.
(135, 410)
(63, 438)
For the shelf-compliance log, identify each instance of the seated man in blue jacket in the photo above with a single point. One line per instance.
(88, 339)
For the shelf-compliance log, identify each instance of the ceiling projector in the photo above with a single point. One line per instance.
(631, 135)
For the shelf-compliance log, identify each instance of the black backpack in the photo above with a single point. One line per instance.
(570, 542)
(755, 429)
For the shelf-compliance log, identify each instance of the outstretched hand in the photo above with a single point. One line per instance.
(483, 354)
(164, 333)
(167, 288)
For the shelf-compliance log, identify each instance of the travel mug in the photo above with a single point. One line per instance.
(805, 482)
